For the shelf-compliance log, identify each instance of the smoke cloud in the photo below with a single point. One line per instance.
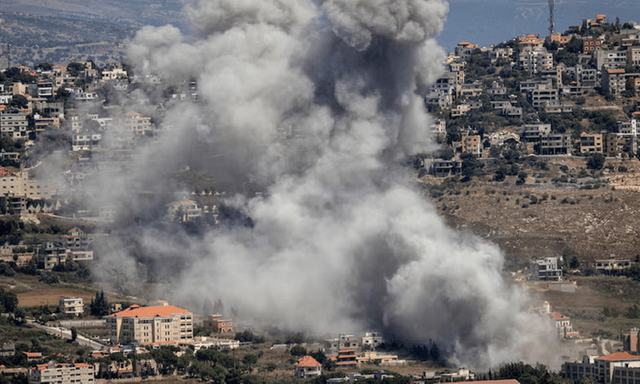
(314, 104)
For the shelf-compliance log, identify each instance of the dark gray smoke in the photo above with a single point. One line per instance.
(315, 104)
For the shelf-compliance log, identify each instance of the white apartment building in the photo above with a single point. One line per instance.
(165, 324)
(71, 305)
(61, 373)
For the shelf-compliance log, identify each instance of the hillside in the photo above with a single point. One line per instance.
(589, 217)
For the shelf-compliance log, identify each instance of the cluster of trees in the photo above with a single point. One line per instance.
(99, 306)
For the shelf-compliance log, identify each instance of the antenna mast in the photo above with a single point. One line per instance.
(552, 5)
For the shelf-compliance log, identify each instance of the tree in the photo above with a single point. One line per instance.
(99, 306)
(8, 301)
(250, 360)
(595, 161)
(298, 350)
(74, 334)
(19, 101)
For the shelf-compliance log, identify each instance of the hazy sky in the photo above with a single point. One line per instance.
(487, 22)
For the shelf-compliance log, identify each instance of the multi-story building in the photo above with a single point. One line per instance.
(616, 368)
(137, 123)
(218, 323)
(157, 325)
(535, 61)
(542, 96)
(21, 185)
(61, 373)
(633, 56)
(555, 144)
(614, 81)
(308, 367)
(14, 124)
(472, 144)
(612, 267)
(593, 143)
(85, 141)
(532, 132)
(591, 44)
(562, 324)
(617, 143)
(546, 269)
(50, 254)
(342, 342)
(371, 340)
(610, 59)
(71, 305)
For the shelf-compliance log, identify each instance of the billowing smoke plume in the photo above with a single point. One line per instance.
(315, 104)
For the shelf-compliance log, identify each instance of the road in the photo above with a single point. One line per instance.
(65, 333)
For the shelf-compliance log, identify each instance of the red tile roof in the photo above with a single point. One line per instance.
(161, 311)
(619, 356)
(559, 316)
(510, 381)
(307, 361)
(33, 354)
(615, 70)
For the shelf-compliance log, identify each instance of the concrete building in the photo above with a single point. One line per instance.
(371, 340)
(546, 269)
(614, 81)
(591, 44)
(218, 323)
(71, 305)
(593, 143)
(610, 59)
(307, 367)
(555, 144)
(562, 324)
(612, 267)
(14, 124)
(535, 61)
(472, 144)
(342, 342)
(616, 368)
(158, 325)
(532, 133)
(542, 96)
(20, 184)
(60, 373)
(50, 254)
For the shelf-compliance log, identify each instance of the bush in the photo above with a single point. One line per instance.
(595, 161)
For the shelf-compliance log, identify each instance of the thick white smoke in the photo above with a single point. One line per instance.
(315, 103)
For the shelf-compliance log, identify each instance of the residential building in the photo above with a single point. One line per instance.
(157, 325)
(14, 124)
(444, 168)
(12, 204)
(632, 341)
(464, 50)
(527, 86)
(542, 96)
(460, 110)
(60, 373)
(628, 127)
(555, 144)
(497, 89)
(614, 81)
(472, 144)
(85, 141)
(21, 185)
(560, 39)
(615, 368)
(71, 305)
(471, 89)
(50, 254)
(617, 143)
(532, 133)
(371, 340)
(562, 324)
(346, 358)
(535, 61)
(610, 59)
(593, 143)
(81, 96)
(378, 359)
(307, 367)
(137, 123)
(218, 323)
(633, 56)
(612, 267)
(184, 211)
(342, 342)
(530, 43)
(546, 269)
(591, 44)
